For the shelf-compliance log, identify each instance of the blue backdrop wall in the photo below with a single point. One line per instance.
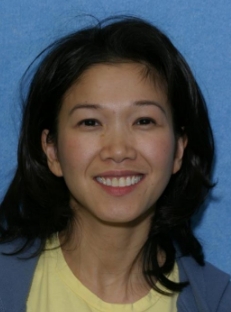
(202, 32)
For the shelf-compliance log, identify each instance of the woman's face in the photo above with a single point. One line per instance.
(116, 147)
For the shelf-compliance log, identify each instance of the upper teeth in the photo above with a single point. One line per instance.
(120, 181)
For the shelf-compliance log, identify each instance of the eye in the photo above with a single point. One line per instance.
(145, 121)
(89, 123)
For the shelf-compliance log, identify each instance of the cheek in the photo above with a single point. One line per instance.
(159, 151)
(75, 153)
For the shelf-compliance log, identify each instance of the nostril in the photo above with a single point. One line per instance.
(118, 151)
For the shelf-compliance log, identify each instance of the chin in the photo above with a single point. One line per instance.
(121, 218)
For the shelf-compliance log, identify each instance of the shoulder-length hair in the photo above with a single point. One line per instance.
(36, 204)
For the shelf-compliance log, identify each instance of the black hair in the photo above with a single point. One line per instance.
(36, 204)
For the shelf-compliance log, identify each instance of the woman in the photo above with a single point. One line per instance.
(114, 158)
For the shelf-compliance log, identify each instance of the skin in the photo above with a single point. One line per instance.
(113, 122)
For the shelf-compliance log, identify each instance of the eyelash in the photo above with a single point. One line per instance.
(85, 122)
(150, 121)
(91, 122)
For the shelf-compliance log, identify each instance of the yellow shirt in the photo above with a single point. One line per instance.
(55, 289)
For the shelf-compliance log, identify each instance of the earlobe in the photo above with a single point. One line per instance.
(50, 150)
(181, 144)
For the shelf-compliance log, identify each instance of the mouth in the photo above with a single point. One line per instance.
(120, 182)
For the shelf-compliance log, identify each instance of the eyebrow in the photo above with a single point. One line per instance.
(150, 103)
(98, 106)
(83, 105)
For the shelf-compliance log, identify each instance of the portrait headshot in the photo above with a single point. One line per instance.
(115, 156)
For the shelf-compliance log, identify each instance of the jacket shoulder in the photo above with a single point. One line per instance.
(209, 288)
(16, 273)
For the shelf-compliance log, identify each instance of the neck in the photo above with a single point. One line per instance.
(107, 258)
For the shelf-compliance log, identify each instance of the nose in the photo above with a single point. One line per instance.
(118, 146)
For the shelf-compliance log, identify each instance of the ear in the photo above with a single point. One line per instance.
(181, 144)
(50, 150)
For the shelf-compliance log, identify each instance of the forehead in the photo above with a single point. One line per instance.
(115, 81)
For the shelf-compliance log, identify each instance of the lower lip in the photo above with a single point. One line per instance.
(119, 191)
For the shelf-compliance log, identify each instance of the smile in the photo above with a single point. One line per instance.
(119, 181)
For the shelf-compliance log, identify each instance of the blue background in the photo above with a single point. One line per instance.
(202, 32)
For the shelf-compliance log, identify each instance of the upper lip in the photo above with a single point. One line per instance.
(119, 173)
